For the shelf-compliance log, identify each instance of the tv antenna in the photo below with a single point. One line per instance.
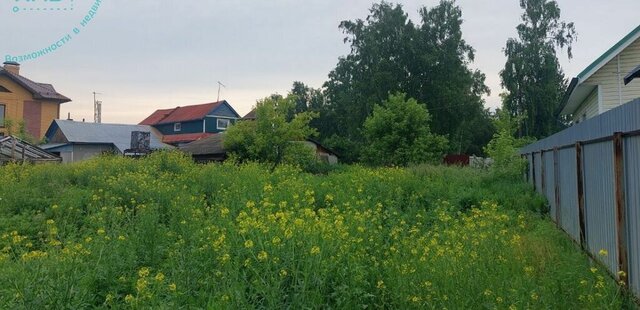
(97, 109)
(220, 85)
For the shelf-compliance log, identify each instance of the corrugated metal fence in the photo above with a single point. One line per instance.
(590, 174)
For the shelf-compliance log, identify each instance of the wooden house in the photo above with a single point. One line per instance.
(182, 125)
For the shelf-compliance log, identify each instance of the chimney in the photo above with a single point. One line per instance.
(12, 67)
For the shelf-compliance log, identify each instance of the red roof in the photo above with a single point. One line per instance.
(189, 137)
(157, 116)
(181, 114)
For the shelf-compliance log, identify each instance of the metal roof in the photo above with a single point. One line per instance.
(185, 137)
(184, 114)
(117, 134)
(38, 90)
(576, 94)
(157, 116)
(212, 145)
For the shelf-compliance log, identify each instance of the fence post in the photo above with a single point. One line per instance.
(533, 164)
(581, 211)
(542, 173)
(621, 231)
(556, 186)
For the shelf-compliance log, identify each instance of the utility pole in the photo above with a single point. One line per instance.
(97, 109)
(220, 85)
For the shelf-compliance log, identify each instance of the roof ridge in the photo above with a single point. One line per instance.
(599, 60)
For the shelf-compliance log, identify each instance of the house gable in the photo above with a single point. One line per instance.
(36, 104)
(605, 75)
(224, 110)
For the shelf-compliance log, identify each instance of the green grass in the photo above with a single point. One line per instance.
(165, 233)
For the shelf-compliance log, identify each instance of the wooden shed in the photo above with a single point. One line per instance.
(13, 149)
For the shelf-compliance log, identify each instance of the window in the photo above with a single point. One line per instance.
(177, 126)
(223, 123)
(4, 89)
(2, 113)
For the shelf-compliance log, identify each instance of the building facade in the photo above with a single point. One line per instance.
(25, 101)
(190, 123)
(601, 87)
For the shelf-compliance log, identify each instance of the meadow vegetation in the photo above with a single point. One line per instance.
(165, 233)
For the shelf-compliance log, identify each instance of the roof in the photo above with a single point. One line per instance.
(183, 114)
(93, 133)
(576, 95)
(326, 149)
(38, 90)
(212, 145)
(251, 115)
(157, 116)
(182, 138)
(13, 148)
(632, 75)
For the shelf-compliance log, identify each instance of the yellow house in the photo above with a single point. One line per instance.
(23, 100)
(601, 87)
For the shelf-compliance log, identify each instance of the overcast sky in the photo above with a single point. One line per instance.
(147, 54)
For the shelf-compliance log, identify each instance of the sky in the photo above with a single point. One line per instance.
(145, 55)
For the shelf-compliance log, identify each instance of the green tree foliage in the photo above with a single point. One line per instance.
(429, 62)
(532, 76)
(504, 146)
(397, 133)
(271, 137)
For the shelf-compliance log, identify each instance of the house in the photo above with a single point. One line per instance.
(182, 125)
(323, 154)
(13, 149)
(23, 100)
(251, 116)
(207, 149)
(77, 141)
(601, 86)
(212, 149)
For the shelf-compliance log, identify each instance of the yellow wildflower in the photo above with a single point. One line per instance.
(603, 252)
(172, 287)
(262, 256)
(129, 298)
(143, 272)
(315, 250)
(248, 244)
(283, 273)
(159, 277)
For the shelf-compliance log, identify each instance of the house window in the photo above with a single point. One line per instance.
(4, 89)
(223, 123)
(2, 113)
(177, 127)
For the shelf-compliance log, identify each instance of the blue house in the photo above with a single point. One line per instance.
(186, 124)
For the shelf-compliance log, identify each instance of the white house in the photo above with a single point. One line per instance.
(601, 87)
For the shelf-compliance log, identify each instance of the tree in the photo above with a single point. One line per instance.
(429, 62)
(397, 133)
(532, 76)
(271, 137)
(504, 146)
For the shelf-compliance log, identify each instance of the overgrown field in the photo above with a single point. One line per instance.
(165, 233)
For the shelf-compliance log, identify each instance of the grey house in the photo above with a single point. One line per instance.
(77, 141)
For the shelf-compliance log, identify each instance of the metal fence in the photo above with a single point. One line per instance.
(590, 174)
